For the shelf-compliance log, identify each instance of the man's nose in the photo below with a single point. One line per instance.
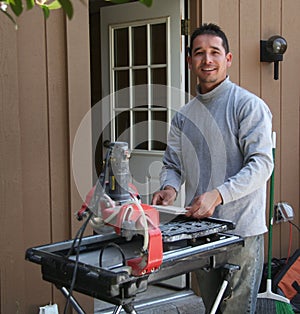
(207, 58)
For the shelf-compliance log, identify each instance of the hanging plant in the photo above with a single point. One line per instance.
(17, 6)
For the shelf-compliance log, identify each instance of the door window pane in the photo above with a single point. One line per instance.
(140, 135)
(158, 44)
(139, 43)
(121, 47)
(122, 92)
(159, 92)
(140, 77)
(159, 130)
(122, 126)
(121, 79)
(159, 76)
(121, 88)
(140, 96)
(122, 98)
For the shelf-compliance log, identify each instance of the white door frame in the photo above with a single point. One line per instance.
(174, 11)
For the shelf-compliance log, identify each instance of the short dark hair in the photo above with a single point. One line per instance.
(210, 29)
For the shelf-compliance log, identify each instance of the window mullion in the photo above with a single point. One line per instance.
(168, 30)
(149, 87)
(131, 130)
(112, 84)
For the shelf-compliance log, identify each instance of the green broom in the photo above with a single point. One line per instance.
(269, 302)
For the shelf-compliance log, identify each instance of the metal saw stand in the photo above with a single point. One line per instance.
(229, 269)
(128, 308)
(117, 286)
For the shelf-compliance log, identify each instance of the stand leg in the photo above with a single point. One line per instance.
(230, 269)
(73, 301)
(117, 309)
(128, 308)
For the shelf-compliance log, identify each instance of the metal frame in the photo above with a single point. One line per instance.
(116, 285)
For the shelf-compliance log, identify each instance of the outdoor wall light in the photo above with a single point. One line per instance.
(272, 50)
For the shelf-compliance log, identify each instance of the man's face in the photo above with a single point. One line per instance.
(209, 61)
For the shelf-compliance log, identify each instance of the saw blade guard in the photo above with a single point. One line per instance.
(115, 202)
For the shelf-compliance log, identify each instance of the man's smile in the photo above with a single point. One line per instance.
(208, 69)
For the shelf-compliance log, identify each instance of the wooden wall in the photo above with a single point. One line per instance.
(43, 123)
(246, 23)
(45, 92)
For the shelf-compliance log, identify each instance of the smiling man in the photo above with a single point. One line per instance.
(220, 146)
(209, 60)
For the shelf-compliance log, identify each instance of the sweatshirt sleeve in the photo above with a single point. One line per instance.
(255, 142)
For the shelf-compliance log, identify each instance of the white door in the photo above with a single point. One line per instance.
(143, 66)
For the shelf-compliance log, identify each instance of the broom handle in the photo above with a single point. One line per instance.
(270, 234)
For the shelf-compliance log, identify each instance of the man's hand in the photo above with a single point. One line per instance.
(204, 205)
(164, 197)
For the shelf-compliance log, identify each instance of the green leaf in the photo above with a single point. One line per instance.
(67, 7)
(53, 5)
(148, 3)
(118, 1)
(46, 11)
(16, 6)
(30, 4)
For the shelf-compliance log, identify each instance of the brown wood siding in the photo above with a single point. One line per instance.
(79, 104)
(11, 237)
(38, 124)
(289, 119)
(269, 90)
(45, 92)
(33, 106)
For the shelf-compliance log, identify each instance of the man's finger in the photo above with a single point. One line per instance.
(156, 200)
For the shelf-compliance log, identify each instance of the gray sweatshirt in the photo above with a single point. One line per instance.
(222, 139)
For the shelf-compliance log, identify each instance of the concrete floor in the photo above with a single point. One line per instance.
(158, 300)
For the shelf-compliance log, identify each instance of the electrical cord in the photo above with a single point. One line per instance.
(290, 243)
(100, 187)
(128, 213)
(146, 232)
(78, 238)
(92, 208)
(112, 244)
(293, 224)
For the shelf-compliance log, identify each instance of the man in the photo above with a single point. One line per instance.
(220, 146)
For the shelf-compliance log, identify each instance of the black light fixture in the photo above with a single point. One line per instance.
(272, 50)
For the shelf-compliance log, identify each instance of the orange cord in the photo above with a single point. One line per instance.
(290, 243)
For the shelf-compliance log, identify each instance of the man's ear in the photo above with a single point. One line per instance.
(229, 59)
